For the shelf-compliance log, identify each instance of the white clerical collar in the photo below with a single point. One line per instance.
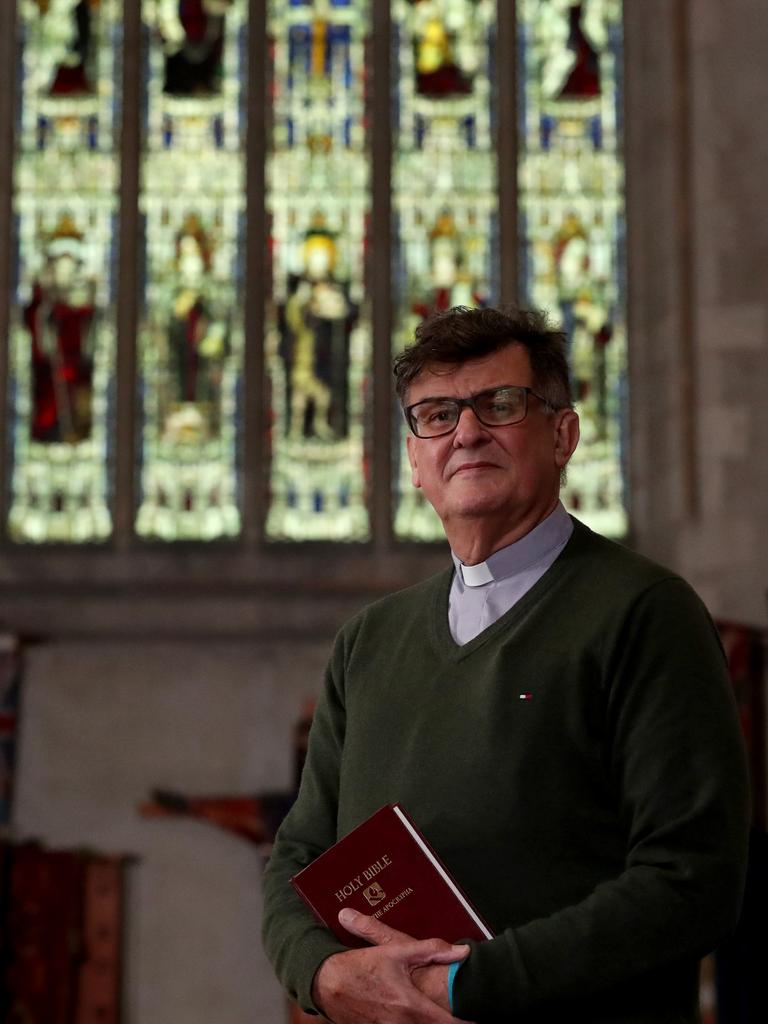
(476, 575)
(550, 533)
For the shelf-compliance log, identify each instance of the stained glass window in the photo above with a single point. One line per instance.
(192, 204)
(316, 58)
(572, 224)
(444, 183)
(62, 335)
(318, 333)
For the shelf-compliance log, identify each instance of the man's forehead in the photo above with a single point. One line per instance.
(512, 358)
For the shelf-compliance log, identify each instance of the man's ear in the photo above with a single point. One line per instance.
(566, 436)
(410, 446)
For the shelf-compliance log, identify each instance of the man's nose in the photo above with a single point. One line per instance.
(469, 430)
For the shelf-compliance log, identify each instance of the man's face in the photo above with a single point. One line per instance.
(511, 473)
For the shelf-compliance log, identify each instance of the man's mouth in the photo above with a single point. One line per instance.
(468, 467)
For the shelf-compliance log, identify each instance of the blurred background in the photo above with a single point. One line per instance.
(219, 219)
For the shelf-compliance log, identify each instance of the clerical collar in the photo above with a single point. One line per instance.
(550, 533)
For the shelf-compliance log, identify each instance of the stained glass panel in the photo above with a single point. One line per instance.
(444, 186)
(572, 224)
(318, 333)
(192, 204)
(62, 334)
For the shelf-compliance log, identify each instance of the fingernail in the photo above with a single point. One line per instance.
(347, 915)
(461, 950)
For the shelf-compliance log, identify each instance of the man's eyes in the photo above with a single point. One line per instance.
(504, 403)
(501, 403)
(441, 414)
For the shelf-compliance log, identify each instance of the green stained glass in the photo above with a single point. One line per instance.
(572, 224)
(444, 186)
(62, 334)
(318, 333)
(192, 203)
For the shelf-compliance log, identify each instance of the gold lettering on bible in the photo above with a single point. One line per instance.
(365, 876)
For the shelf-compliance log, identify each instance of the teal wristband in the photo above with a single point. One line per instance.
(452, 969)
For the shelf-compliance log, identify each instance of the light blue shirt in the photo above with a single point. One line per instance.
(481, 594)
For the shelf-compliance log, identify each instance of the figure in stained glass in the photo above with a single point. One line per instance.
(59, 319)
(573, 35)
(583, 80)
(197, 341)
(192, 33)
(580, 276)
(315, 328)
(440, 70)
(451, 280)
(67, 31)
(571, 257)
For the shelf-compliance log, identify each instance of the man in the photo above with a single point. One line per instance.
(553, 711)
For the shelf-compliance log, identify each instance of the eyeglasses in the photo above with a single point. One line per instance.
(497, 407)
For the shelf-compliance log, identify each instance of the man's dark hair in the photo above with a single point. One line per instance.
(460, 334)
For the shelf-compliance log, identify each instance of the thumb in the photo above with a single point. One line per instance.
(369, 928)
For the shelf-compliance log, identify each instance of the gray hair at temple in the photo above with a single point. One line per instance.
(460, 334)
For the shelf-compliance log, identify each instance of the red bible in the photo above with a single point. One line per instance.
(386, 868)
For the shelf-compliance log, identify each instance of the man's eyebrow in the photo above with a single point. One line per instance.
(472, 394)
(437, 398)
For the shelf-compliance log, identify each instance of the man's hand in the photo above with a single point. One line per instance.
(397, 979)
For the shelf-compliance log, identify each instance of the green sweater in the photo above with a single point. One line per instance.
(599, 824)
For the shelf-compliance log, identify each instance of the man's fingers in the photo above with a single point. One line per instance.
(435, 951)
(375, 985)
(422, 951)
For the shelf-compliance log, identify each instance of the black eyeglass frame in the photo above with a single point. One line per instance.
(471, 403)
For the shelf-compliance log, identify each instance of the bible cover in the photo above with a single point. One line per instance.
(386, 868)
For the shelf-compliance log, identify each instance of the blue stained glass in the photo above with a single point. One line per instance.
(596, 132)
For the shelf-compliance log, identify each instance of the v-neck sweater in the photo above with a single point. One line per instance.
(578, 767)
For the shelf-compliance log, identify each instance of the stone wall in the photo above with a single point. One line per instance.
(698, 148)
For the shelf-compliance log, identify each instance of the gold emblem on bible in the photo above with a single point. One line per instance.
(374, 894)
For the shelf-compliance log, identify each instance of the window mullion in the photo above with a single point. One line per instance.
(7, 100)
(506, 148)
(379, 278)
(254, 456)
(130, 236)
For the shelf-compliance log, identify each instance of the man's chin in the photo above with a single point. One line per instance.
(473, 507)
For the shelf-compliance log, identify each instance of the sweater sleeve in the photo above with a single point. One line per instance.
(675, 761)
(294, 941)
